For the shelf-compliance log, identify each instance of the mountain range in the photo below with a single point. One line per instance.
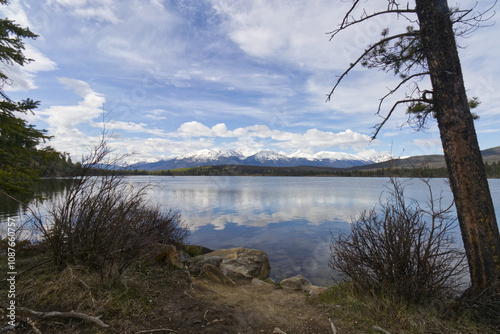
(489, 155)
(268, 158)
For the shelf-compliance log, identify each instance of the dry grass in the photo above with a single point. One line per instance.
(354, 312)
(152, 295)
(124, 304)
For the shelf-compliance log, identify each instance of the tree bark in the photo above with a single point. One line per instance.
(468, 180)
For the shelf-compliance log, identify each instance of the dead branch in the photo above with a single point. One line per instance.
(470, 24)
(156, 330)
(73, 315)
(346, 24)
(392, 91)
(365, 53)
(379, 126)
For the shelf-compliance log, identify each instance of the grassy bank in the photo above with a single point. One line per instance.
(152, 295)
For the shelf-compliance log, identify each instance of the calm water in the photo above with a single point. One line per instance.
(291, 218)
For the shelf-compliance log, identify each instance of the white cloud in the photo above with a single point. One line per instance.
(63, 120)
(153, 149)
(310, 140)
(156, 114)
(194, 129)
(296, 31)
(129, 127)
(100, 10)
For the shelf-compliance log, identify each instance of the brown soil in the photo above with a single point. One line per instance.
(208, 307)
(164, 301)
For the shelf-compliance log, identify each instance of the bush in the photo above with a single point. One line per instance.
(401, 251)
(105, 224)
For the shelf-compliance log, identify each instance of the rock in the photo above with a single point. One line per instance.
(270, 281)
(298, 282)
(170, 254)
(256, 281)
(316, 290)
(248, 262)
(214, 274)
(199, 262)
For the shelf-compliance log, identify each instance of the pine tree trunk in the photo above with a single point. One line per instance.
(468, 180)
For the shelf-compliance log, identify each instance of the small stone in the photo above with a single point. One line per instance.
(298, 282)
(256, 281)
(316, 290)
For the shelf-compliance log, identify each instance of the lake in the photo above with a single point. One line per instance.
(291, 218)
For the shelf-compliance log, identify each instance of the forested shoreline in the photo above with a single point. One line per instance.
(492, 171)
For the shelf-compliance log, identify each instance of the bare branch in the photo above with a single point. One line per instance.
(155, 330)
(392, 91)
(366, 52)
(467, 25)
(379, 126)
(346, 17)
(346, 24)
(348, 20)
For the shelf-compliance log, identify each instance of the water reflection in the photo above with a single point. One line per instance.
(46, 190)
(259, 201)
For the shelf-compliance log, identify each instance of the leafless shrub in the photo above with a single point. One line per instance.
(401, 250)
(103, 223)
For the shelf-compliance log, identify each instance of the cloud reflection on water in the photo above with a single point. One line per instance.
(257, 202)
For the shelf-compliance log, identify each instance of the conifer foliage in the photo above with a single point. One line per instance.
(21, 161)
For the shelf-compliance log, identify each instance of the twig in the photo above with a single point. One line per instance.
(71, 314)
(278, 331)
(32, 324)
(78, 278)
(334, 330)
(156, 330)
(380, 330)
(205, 316)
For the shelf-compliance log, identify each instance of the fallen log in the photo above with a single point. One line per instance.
(72, 314)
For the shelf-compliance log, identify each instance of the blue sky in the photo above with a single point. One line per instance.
(172, 77)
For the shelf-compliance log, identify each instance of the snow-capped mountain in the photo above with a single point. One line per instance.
(210, 157)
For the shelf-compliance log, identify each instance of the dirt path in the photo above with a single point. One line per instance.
(257, 308)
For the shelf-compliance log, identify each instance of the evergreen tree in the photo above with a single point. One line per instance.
(20, 159)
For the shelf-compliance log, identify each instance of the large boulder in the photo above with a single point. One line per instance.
(247, 262)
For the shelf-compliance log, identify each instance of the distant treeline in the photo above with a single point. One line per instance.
(492, 171)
